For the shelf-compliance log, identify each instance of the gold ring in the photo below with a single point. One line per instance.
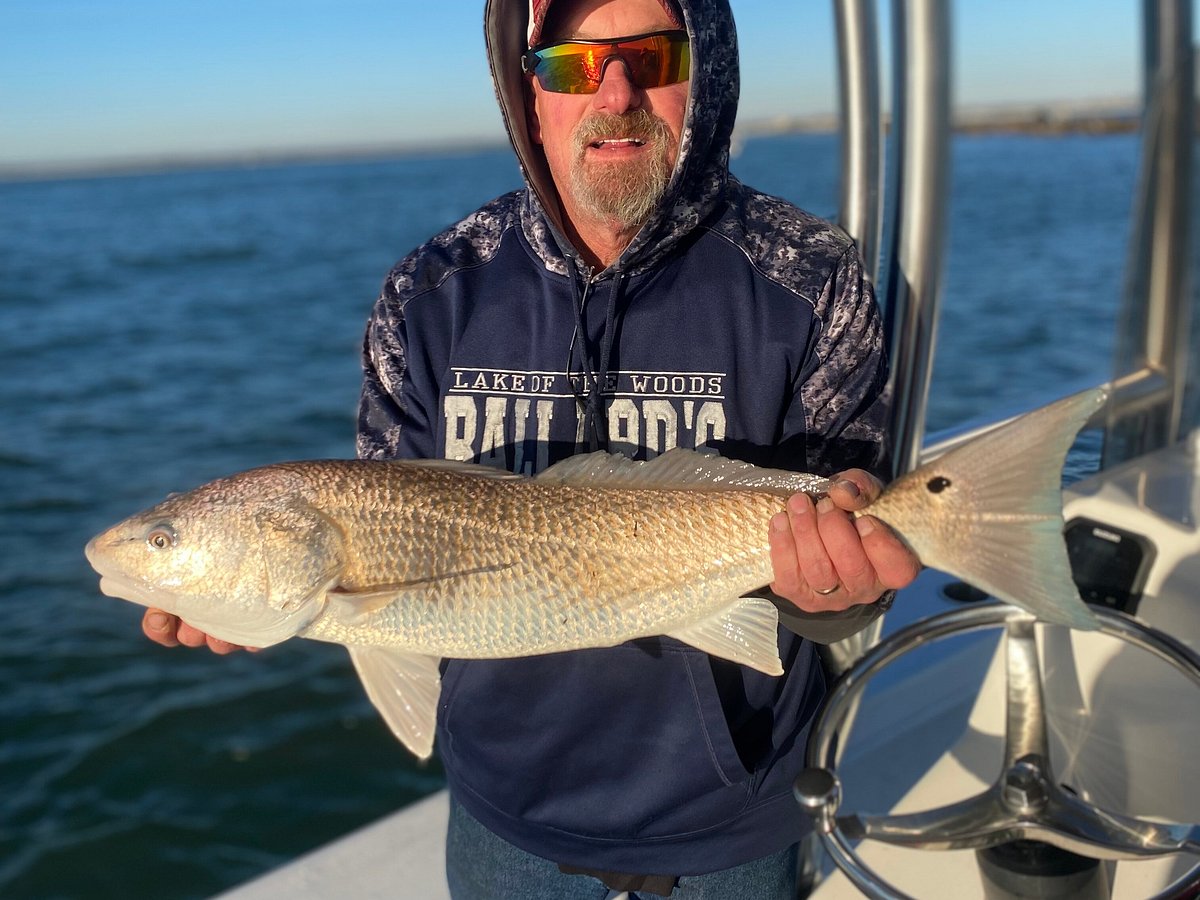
(827, 592)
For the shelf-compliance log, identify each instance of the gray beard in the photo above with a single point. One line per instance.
(624, 193)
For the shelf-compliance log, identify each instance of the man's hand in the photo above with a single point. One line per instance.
(168, 630)
(826, 559)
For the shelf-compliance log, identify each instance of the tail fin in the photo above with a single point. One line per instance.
(993, 511)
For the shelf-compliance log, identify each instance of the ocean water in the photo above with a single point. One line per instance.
(163, 329)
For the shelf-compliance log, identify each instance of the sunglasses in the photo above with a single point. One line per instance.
(576, 67)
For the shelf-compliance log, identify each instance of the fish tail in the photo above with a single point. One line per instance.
(997, 501)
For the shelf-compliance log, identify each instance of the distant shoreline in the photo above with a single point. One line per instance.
(131, 166)
(1050, 126)
(1034, 120)
(1050, 121)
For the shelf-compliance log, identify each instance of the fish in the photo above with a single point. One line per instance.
(409, 562)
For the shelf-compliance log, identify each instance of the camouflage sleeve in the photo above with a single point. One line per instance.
(842, 396)
(392, 421)
(839, 408)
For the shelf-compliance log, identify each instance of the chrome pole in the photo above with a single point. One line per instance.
(917, 220)
(860, 127)
(1153, 356)
(861, 206)
(1167, 328)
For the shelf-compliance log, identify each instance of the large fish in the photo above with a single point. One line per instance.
(406, 563)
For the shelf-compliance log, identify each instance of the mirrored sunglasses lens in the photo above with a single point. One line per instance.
(577, 68)
(570, 70)
(656, 61)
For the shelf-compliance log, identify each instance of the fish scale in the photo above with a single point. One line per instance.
(561, 566)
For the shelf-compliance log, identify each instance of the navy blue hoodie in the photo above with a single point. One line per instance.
(733, 321)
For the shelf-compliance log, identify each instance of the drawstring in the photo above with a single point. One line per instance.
(596, 400)
(595, 422)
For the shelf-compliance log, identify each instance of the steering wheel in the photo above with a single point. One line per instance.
(1025, 802)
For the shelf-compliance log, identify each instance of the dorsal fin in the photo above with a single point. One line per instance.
(679, 468)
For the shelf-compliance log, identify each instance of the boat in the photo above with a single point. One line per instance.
(966, 750)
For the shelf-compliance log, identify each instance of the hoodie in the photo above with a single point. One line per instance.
(732, 321)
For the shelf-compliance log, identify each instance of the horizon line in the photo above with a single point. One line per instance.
(1052, 117)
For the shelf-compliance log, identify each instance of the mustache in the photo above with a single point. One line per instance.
(638, 125)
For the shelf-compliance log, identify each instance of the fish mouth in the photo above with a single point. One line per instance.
(262, 631)
(90, 552)
(119, 584)
(122, 589)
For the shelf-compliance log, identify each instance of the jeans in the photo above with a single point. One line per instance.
(483, 866)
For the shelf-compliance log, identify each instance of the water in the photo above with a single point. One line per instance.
(161, 330)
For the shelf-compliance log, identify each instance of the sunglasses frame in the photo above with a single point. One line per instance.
(530, 59)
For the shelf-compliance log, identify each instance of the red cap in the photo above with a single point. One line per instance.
(538, 9)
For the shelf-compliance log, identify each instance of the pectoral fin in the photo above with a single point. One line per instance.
(405, 688)
(356, 607)
(746, 632)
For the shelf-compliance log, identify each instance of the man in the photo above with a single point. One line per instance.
(633, 298)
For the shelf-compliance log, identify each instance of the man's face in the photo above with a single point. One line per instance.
(611, 153)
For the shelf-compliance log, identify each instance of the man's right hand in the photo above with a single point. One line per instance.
(170, 631)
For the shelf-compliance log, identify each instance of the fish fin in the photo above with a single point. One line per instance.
(405, 688)
(746, 632)
(678, 468)
(1006, 534)
(1028, 566)
(355, 607)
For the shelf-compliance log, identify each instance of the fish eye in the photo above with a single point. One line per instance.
(161, 537)
(938, 484)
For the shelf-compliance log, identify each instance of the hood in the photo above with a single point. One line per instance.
(702, 167)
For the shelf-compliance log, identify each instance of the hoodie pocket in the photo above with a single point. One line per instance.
(712, 717)
(626, 742)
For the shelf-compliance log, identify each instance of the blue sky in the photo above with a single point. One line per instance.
(89, 80)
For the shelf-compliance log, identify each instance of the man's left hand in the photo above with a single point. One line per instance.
(826, 559)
